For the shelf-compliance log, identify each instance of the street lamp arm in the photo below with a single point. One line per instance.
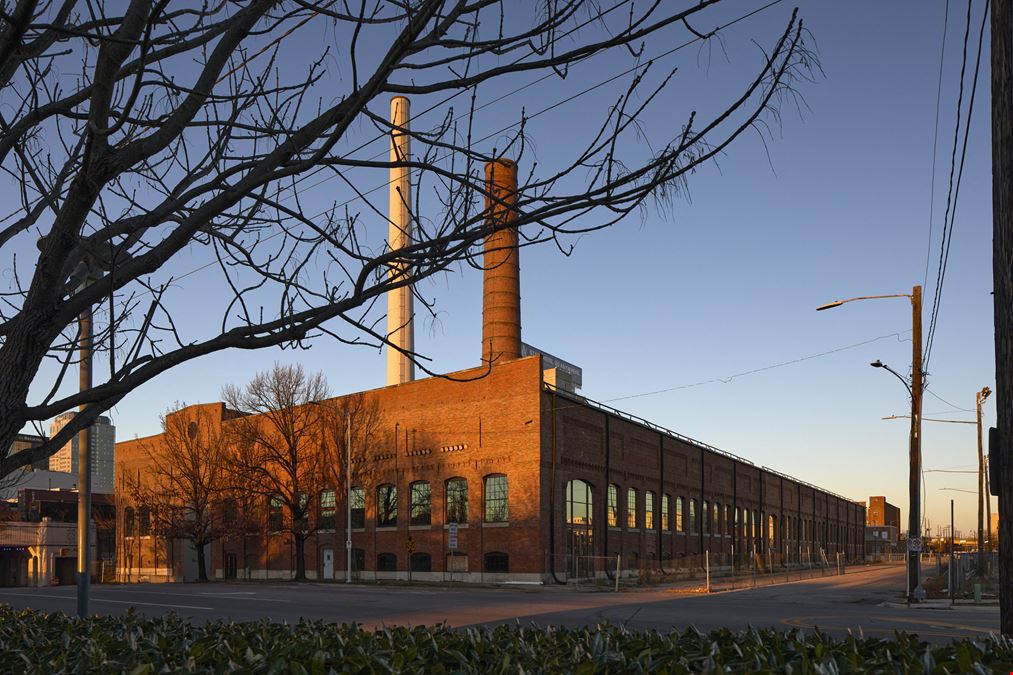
(897, 375)
(838, 303)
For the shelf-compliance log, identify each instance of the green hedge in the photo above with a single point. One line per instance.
(35, 642)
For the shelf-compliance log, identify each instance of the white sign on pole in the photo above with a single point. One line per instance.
(914, 544)
(452, 536)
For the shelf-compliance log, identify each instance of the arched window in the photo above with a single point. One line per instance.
(771, 529)
(736, 528)
(421, 562)
(613, 505)
(457, 500)
(666, 522)
(717, 519)
(705, 517)
(496, 499)
(497, 562)
(386, 562)
(579, 503)
(729, 526)
(692, 516)
(386, 506)
(756, 524)
(680, 525)
(128, 521)
(649, 510)
(420, 503)
(631, 509)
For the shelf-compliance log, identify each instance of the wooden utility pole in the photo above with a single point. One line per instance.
(1002, 286)
(915, 464)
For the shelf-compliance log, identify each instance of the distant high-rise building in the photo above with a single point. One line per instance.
(103, 444)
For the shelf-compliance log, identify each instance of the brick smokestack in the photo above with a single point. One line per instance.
(501, 283)
(400, 314)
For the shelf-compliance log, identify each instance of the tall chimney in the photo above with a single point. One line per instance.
(501, 294)
(400, 316)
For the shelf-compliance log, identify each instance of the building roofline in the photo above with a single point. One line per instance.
(674, 435)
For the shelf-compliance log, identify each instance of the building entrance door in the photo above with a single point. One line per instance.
(328, 555)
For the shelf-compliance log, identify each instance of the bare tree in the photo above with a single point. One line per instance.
(186, 478)
(279, 446)
(134, 134)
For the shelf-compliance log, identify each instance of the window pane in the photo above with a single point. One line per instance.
(457, 500)
(496, 499)
(386, 506)
(649, 510)
(678, 515)
(578, 503)
(692, 515)
(631, 508)
(613, 506)
(421, 504)
(666, 525)
(705, 516)
(357, 500)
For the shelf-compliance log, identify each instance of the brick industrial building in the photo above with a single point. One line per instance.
(883, 513)
(528, 475)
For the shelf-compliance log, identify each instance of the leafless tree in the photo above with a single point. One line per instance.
(278, 447)
(186, 478)
(138, 135)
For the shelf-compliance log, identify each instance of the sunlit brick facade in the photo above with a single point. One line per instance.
(528, 471)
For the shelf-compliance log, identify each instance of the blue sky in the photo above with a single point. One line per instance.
(834, 204)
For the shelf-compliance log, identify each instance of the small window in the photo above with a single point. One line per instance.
(386, 506)
(420, 507)
(497, 562)
(328, 507)
(679, 523)
(275, 518)
(144, 521)
(666, 523)
(421, 562)
(631, 508)
(716, 518)
(496, 499)
(705, 517)
(386, 562)
(357, 503)
(649, 510)
(613, 506)
(358, 559)
(728, 527)
(128, 521)
(457, 501)
(692, 516)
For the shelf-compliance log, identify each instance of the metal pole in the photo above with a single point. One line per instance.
(348, 498)
(84, 473)
(914, 477)
(953, 571)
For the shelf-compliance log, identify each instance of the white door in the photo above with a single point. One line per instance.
(328, 563)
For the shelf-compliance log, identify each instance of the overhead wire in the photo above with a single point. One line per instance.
(948, 230)
(935, 144)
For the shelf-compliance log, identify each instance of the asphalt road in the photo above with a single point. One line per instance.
(863, 601)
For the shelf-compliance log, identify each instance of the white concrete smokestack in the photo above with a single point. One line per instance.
(400, 315)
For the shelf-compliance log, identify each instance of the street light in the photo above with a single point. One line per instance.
(915, 448)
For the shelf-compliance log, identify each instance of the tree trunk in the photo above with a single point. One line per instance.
(300, 555)
(1002, 283)
(202, 573)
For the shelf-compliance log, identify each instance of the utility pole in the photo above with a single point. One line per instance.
(979, 398)
(84, 472)
(1002, 288)
(915, 470)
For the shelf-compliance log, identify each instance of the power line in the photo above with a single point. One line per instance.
(948, 237)
(726, 380)
(935, 144)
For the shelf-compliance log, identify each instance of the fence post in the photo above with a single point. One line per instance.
(707, 565)
(619, 559)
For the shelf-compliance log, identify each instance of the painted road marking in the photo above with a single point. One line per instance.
(94, 599)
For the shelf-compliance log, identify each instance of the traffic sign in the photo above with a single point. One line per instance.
(914, 544)
(409, 545)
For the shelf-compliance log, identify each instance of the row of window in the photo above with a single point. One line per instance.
(682, 516)
(420, 504)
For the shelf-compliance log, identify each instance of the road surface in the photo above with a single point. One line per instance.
(866, 601)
